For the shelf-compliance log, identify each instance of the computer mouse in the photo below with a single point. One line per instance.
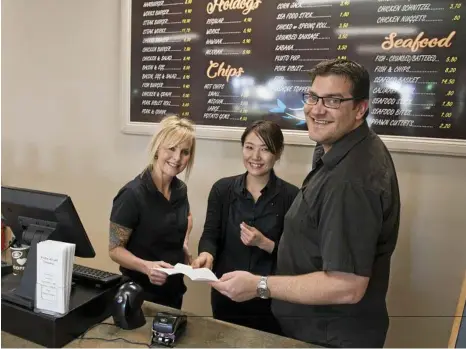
(126, 308)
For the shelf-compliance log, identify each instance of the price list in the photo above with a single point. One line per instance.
(303, 37)
(228, 63)
(228, 46)
(165, 81)
(415, 73)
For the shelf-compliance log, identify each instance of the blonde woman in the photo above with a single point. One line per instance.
(150, 219)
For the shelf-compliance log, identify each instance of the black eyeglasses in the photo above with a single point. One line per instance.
(329, 102)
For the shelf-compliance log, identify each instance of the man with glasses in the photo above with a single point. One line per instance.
(339, 234)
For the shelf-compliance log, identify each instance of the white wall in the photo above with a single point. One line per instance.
(60, 132)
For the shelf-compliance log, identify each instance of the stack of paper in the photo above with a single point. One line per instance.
(200, 274)
(54, 275)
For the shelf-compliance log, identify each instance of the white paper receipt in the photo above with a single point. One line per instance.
(200, 274)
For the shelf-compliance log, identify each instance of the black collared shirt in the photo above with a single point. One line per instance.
(345, 218)
(229, 204)
(158, 227)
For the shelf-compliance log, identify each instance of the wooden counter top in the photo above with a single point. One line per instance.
(200, 332)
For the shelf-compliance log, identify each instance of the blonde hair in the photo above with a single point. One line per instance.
(173, 131)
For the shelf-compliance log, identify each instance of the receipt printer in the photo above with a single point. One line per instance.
(167, 328)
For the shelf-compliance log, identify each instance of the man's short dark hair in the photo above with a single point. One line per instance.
(270, 132)
(355, 72)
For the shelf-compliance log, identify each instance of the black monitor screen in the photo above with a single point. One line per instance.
(30, 212)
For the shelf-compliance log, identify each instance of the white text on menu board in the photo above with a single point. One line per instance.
(166, 57)
(219, 102)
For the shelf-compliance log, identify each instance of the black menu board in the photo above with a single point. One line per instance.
(226, 63)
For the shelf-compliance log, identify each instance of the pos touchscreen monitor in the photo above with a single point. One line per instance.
(35, 216)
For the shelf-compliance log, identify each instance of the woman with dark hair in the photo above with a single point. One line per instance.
(244, 224)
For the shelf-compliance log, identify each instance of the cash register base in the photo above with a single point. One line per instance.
(88, 306)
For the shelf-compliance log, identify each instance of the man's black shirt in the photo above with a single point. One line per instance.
(345, 218)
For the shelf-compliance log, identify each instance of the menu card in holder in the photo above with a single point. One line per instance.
(54, 275)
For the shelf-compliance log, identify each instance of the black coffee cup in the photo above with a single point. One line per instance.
(19, 256)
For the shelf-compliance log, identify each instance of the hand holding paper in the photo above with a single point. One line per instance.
(157, 277)
(201, 274)
(238, 285)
